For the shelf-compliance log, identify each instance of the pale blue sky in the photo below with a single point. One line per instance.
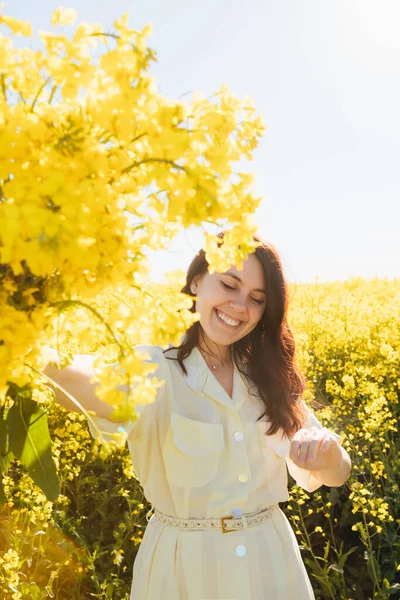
(326, 77)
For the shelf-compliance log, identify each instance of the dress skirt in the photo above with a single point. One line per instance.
(260, 563)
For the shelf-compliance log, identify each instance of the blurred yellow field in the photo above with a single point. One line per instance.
(347, 342)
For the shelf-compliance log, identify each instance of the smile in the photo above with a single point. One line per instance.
(227, 320)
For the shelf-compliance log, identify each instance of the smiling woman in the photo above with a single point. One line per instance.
(212, 451)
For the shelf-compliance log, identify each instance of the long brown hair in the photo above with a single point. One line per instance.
(268, 352)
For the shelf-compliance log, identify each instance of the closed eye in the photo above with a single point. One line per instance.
(231, 288)
(257, 301)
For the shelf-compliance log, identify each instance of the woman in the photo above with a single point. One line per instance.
(211, 452)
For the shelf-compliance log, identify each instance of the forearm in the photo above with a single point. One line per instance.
(76, 381)
(63, 378)
(337, 475)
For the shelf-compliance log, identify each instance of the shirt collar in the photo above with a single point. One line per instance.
(202, 380)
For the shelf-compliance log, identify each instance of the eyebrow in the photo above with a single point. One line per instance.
(240, 281)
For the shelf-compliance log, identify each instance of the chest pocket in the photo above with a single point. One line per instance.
(192, 451)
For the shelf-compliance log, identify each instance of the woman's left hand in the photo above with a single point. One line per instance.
(315, 449)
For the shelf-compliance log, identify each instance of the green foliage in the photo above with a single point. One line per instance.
(30, 442)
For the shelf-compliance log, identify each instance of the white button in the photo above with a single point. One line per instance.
(240, 550)
(243, 477)
(239, 436)
(237, 512)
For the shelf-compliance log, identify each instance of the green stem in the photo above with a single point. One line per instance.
(156, 160)
(53, 91)
(3, 87)
(322, 571)
(344, 588)
(369, 546)
(112, 35)
(38, 94)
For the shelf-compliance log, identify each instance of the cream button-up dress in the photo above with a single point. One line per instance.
(198, 453)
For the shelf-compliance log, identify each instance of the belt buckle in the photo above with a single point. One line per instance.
(223, 524)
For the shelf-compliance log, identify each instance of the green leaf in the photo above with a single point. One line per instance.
(3, 434)
(5, 462)
(5, 454)
(343, 556)
(31, 443)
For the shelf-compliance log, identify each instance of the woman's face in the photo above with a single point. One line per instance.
(239, 296)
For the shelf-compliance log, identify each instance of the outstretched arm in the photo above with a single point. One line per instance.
(75, 380)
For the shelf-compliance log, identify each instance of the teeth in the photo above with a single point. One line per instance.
(227, 319)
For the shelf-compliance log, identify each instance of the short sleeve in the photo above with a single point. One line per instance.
(106, 427)
(300, 475)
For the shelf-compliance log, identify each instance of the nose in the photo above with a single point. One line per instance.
(239, 306)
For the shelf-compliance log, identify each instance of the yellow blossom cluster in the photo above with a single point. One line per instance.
(97, 169)
(364, 502)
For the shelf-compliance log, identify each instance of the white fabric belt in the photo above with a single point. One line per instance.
(226, 524)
